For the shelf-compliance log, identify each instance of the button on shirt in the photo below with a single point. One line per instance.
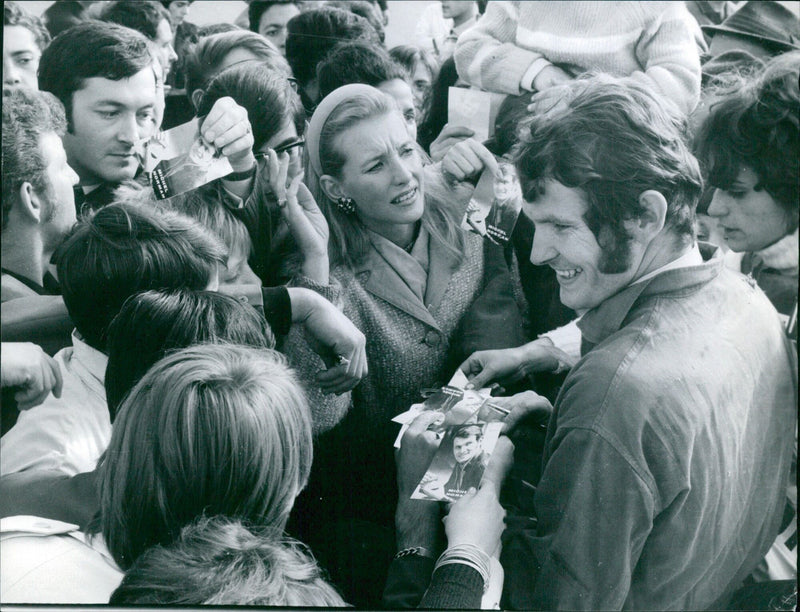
(69, 433)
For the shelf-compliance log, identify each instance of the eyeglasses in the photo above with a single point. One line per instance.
(294, 144)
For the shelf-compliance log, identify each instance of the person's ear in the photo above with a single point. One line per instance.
(197, 98)
(31, 206)
(331, 187)
(652, 218)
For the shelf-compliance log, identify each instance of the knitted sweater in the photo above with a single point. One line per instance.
(406, 351)
(655, 43)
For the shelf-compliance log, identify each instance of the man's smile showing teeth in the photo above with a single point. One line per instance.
(568, 274)
(406, 197)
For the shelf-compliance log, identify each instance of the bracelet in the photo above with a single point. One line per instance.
(419, 551)
(469, 555)
(242, 174)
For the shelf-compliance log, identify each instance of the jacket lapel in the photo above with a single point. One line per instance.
(440, 269)
(380, 280)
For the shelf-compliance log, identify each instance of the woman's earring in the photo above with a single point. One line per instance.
(346, 205)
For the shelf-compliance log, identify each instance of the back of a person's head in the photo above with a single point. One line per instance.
(357, 62)
(15, 15)
(212, 429)
(88, 50)
(219, 561)
(27, 115)
(203, 206)
(208, 56)
(143, 16)
(123, 249)
(312, 34)
(217, 28)
(364, 9)
(153, 323)
(267, 95)
(756, 125)
(613, 140)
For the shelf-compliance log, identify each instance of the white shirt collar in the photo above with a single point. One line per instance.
(690, 258)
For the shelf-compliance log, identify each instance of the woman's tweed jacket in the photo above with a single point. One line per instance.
(407, 344)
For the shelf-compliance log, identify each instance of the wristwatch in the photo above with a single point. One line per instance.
(242, 174)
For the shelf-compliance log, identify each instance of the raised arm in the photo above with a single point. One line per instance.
(668, 51)
(487, 56)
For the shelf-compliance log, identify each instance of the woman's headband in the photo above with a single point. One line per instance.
(320, 116)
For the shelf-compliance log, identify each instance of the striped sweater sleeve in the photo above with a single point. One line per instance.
(487, 56)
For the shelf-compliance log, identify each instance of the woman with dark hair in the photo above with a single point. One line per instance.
(284, 237)
(423, 69)
(210, 430)
(436, 118)
(750, 145)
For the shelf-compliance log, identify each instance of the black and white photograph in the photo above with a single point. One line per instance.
(395, 304)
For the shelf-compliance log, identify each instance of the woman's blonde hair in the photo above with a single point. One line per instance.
(211, 429)
(349, 242)
(219, 561)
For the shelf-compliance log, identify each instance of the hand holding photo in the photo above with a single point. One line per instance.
(181, 160)
(495, 205)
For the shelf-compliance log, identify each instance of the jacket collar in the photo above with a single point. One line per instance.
(380, 279)
(782, 255)
(606, 319)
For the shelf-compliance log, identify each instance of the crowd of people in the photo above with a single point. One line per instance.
(198, 390)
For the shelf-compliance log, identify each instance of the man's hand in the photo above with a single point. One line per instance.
(227, 128)
(501, 365)
(304, 218)
(26, 365)
(334, 337)
(522, 406)
(468, 158)
(449, 136)
(510, 365)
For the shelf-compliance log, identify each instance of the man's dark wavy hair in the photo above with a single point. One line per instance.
(613, 140)
(87, 50)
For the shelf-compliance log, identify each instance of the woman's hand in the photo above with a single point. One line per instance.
(304, 218)
(449, 136)
(331, 335)
(468, 158)
(478, 518)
